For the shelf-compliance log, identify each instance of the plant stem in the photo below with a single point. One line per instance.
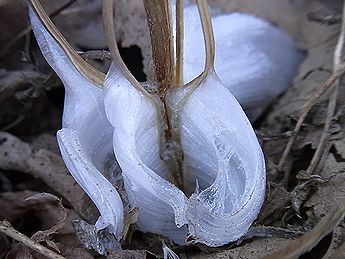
(208, 35)
(89, 72)
(159, 22)
(179, 43)
(161, 32)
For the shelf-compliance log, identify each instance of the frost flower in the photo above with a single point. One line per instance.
(112, 130)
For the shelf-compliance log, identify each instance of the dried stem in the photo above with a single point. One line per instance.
(89, 72)
(8, 230)
(207, 29)
(108, 24)
(325, 133)
(208, 35)
(159, 21)
(179, 43)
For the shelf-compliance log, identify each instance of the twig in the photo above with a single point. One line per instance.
(26, 30)
(296, 248)
(8, 230)
(109, 33)
(207, 29)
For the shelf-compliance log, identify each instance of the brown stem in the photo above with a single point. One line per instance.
(159, 21)
(179, 43)
(90, 73)
(207, 30)
(108, 25)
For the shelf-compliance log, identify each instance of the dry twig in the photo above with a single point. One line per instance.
(8, 230)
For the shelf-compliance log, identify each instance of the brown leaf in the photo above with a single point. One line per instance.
(307, 242)
(44, 235)
(47, 166)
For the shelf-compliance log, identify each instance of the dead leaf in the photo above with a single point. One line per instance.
(45, 235)
(307, 242)
(277, 198)
(40, 163)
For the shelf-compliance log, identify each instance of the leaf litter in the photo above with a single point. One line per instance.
(301, 203)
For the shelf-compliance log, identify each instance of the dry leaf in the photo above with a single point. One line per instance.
(49, 167)
(307, 242)
(44, 235)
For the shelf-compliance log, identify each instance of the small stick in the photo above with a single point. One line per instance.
(108, 25)
(325, 133)
(8, 230)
